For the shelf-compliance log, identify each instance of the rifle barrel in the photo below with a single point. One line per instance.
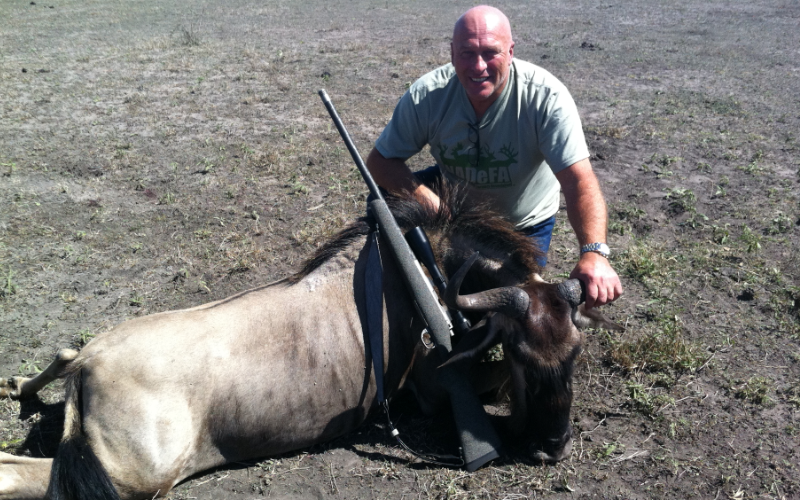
(478, 438)
(373, 188)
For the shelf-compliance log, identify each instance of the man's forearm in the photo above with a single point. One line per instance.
(393, 175)
(586, 208)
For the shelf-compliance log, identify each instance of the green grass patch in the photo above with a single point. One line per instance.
(84, 336)
(11, 443)
(756, 390)
(623, 216)
(7, 286)
(29, 367)
(791, 394)
(780, 224)
(751, 241)
(663, 354)
(644, 401)
(785, 302)
(649, 263)
(681, 200)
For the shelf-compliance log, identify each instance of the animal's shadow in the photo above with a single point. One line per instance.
(47, 426)
(423, 433)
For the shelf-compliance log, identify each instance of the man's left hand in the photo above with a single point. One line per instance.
(602, 283)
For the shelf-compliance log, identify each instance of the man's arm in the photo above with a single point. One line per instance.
(393, 175)
(587, 214)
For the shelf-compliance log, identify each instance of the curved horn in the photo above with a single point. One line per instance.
(573, 291)
(511, 301)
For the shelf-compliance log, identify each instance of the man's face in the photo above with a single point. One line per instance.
(481, 53)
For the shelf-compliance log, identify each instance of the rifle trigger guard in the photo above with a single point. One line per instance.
(425, 337)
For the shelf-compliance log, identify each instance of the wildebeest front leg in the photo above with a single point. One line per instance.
(23, 387)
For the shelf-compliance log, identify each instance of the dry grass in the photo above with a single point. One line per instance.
(161, 156)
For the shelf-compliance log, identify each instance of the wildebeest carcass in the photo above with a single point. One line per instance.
(284, 366)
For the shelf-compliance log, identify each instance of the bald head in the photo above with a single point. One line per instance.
(481, 53)
(483, 19)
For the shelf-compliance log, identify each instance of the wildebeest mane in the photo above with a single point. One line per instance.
(460, 227)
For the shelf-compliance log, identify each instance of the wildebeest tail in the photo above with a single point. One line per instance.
(77, 473)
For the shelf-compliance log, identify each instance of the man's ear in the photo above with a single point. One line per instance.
(452, 55)
(510, 50)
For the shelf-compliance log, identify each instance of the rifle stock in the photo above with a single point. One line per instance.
(479, 440)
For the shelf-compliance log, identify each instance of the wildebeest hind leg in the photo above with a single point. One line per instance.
(23, 387)
(23, 477)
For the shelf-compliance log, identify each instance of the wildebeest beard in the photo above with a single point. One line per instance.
(541, 401)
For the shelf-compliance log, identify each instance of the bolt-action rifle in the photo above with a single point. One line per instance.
(479, 441)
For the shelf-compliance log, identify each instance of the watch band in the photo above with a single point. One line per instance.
(600, 248)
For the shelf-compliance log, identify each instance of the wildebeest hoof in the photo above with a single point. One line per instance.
(551, 451)
(10, 387)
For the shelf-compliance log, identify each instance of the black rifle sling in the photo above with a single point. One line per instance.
(373, 290)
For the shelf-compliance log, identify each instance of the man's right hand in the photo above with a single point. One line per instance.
(427, 197)
(602, 282)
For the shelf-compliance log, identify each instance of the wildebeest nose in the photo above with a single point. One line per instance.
(551, 450)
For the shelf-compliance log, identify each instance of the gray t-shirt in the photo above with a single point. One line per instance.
(529, 133)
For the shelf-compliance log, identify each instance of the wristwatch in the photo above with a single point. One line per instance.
(600, 248)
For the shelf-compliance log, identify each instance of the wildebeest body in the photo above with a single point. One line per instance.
(284, 366)
(308, 384)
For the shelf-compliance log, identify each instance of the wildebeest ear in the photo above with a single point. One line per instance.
(475, 343)
(593, 318)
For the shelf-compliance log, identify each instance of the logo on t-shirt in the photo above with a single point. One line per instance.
(481, 169)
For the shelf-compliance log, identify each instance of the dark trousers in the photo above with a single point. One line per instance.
(541, 234)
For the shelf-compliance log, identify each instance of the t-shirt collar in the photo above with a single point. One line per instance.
(499, 104)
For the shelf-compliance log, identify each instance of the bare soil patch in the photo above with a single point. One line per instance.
(157, 155)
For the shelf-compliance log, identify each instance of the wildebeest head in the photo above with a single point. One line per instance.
(537, 323)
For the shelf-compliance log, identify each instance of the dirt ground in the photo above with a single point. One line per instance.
(157, 155)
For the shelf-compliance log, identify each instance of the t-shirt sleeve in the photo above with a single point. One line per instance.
(404, 135)
(561, 138)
